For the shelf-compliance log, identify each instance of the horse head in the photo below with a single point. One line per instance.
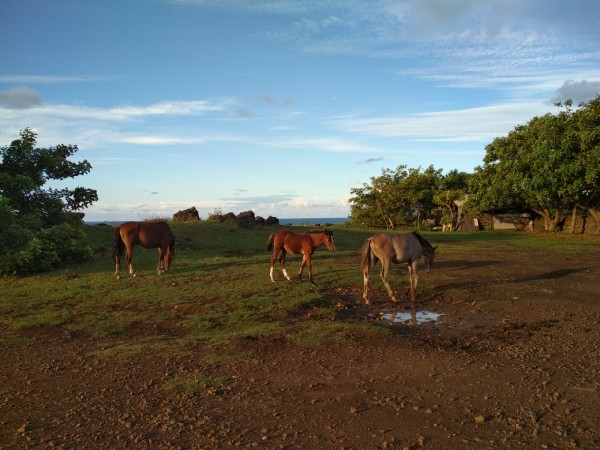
(329, 243)
(429, 253)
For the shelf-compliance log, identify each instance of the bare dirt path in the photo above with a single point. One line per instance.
(513, 362)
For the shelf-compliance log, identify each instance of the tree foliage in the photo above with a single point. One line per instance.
(38, 228)
(406, 196)
(550, 165)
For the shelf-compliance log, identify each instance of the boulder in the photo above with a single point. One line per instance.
(246, 219)
(272, 221)
(187, 215)
(229, 217)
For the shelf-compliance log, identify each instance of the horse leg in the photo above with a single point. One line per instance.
(366, 284)
(366, 272)
(117, 266)
(413, 278)
(161, 261)
(385, 269)
(302, 263)
(273, 258)
(129, 254)
(306, 259)
(282, 262)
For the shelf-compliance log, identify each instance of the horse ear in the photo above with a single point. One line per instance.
(434, 248)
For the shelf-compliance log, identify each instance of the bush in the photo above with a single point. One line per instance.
(39, 252)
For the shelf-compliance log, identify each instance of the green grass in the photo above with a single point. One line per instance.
(218, 292)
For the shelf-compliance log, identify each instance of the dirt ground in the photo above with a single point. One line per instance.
(512, 362)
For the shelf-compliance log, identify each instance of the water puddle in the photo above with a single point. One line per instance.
(411, 317)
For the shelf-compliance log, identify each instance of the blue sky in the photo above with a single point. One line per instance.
(281, 107)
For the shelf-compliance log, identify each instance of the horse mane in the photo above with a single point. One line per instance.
(326, 231)
(424, 242)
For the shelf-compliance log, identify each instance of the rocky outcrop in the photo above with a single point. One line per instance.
(187, 215)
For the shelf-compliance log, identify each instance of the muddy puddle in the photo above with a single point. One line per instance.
(412, 317)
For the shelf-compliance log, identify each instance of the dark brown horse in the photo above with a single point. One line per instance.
(146, 235)
(298, 244)
(395, 248)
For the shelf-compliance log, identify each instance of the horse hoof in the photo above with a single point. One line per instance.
(118, 277)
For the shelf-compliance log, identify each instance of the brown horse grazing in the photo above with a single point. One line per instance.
(395, 248)
(146, 235)
(304, 244)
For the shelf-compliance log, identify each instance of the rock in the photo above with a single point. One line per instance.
(272, 221)
(246, 219)
(187, 215)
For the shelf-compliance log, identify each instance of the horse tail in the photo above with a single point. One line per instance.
(366, 255)
(118, 244)
(270, 242)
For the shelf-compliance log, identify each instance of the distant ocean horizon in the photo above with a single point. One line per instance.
(284, 221)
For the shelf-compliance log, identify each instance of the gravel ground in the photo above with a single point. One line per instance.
(511, 362)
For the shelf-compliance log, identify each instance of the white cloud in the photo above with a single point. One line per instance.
(474, 124)
(333, 145)
(53, 79)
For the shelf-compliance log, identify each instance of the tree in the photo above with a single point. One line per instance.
(537, 165)
(379, 204)
(452, 188)
(587, 124)
(25, 170)
(38, 227)
(397, 196)
(418, 189)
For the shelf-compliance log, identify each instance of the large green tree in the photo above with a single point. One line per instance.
(38, 227)
(452, 188)
(24, 172)
(538, 165)
(401, 196)
(587, 124)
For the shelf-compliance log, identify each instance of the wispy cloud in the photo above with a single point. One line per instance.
(23, 107)
(324, 144)
(474, 124)
(54, 79)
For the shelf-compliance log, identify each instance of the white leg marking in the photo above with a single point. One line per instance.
(271, 275)
(285, 274)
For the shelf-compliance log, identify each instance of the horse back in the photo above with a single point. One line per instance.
(396, 247)
(147, 234)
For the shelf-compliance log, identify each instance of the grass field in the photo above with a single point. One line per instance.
(218, 289)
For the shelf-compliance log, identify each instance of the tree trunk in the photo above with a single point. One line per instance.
(550, 222)
(573, 219)
(389, 223)
(595, 212)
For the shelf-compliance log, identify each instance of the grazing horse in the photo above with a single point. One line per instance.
(146, 235)
(298, 244)
(395, 248)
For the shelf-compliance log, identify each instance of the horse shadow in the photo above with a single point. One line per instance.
(483, 282)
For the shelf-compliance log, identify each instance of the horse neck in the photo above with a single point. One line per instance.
(318, 238)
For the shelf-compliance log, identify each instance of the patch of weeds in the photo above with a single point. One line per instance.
(316, 334)
(42, 318)
(110, 330)
(227, 358)
(192, 383)
(127, 350)
(15, 340)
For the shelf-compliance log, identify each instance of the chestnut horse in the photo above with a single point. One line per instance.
(146, 235)
(395, 248)
(298, 244)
